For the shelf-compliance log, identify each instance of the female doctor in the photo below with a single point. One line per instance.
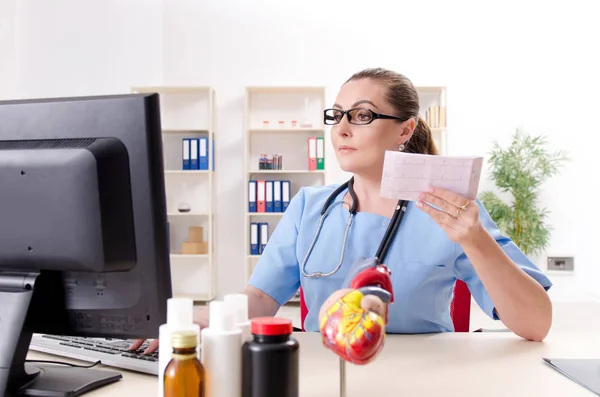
(442, 237)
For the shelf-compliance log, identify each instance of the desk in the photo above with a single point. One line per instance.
(452, 364)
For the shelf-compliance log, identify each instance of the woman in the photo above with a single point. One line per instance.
(443, 237)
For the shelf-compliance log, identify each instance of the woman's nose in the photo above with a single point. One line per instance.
(344, 128)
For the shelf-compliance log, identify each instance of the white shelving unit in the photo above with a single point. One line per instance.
(304, 105)
(433, 110)
(188, 112)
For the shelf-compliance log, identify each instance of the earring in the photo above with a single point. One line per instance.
(401, 147)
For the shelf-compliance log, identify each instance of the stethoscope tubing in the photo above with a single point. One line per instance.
(383, 246)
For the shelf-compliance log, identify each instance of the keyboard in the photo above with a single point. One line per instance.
(112, 352)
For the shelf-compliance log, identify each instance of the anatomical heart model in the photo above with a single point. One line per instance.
(353, 319)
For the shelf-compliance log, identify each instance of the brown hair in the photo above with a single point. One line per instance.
(403, 96)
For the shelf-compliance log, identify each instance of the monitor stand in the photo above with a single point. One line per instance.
(19, 316)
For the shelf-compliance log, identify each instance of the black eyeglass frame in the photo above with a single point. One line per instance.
(347, 113)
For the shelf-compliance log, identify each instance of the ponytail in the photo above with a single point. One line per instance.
(421, 141)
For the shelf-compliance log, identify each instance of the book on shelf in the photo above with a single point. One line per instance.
(435, 116)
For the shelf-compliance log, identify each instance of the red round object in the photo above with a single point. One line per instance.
(271, 326)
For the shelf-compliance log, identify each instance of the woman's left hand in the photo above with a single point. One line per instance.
(458, 216)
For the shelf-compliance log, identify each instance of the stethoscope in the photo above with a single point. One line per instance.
(383, 246)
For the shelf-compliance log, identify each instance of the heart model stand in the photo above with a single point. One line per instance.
(373, 281)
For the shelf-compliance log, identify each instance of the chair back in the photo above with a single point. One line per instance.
(460, 307)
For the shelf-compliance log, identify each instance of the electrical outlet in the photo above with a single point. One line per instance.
(565, 263)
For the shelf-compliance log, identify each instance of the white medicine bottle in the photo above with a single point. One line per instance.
(238, 303)
(222, 352)
(180, 317)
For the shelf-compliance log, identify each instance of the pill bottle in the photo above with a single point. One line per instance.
(270, 361)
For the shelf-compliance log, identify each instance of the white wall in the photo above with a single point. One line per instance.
(92, 47)
(8, 49)
(505, 65)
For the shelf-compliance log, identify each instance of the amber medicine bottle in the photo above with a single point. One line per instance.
(184, 375)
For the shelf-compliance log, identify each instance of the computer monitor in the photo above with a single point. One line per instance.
(83, 230)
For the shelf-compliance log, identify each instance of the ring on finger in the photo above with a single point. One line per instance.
(464, 207)
(455, 216)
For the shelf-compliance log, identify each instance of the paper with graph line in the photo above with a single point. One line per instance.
(405, 175)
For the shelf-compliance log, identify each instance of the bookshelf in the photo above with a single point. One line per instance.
(280, 121)
(188, 112)
(433, 110)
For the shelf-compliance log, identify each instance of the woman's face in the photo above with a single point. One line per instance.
(360, 149)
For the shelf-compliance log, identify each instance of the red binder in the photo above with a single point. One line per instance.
(312, 154)
(261, 201)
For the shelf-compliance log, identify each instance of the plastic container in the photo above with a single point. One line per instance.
(180, 317)
(239, 305)
(271, 360)
(222, 352)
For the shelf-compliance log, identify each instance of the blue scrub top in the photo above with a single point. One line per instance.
(424, 262)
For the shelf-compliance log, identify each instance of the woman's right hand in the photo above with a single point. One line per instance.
(200, 318)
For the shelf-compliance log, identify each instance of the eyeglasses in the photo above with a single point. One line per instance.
(359, 116)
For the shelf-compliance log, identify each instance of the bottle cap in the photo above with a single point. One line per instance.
(238, 304)
(220, 316)
(184, 339)
(180, 312)
(271, 326)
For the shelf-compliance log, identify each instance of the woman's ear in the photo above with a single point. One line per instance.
(408, 128)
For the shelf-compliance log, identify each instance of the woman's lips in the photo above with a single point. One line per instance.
(346, 149)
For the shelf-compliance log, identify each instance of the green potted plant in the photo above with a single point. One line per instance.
(518, 172)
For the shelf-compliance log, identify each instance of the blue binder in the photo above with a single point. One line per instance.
(252, 196)
(203, 153)
(186, 153)
(263, 235)
(254, 238)
(285, 194)
(277, 207)
(194, 154)
(269, 196)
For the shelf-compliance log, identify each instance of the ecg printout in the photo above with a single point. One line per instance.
(405, 175)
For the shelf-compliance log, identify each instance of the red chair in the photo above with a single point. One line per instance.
(460, 307)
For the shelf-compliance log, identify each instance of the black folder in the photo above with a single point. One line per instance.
(586, 372)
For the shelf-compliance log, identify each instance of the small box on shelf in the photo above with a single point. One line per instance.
(194, 248)
(195, 244)
(196, 234)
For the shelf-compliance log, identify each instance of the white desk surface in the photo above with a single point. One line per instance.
(452, 364)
